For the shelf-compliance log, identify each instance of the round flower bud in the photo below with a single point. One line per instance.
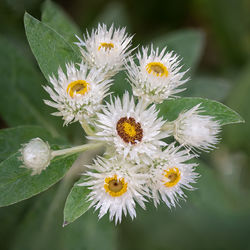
(195, 130)
(36, 155)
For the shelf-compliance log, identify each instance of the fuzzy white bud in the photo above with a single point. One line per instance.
(36, 155)
(195, 130)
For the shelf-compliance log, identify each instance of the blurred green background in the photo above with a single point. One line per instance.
(213, 37)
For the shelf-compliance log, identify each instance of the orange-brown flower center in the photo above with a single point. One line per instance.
(129, 130)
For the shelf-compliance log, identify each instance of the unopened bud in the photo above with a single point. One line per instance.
(195, 130)
(36, 155)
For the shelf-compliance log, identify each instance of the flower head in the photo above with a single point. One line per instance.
(196, 131)
(78, 94)
(132, 130)
(115, 186)
(157, 77)
(36, 155)
(106, 49)
(170, 174)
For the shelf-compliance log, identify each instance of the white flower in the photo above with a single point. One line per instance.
(157, 77)
(115, 185)
(78, 94)
(36, 155)
(133, 130)
(170, 174)
(106, 49)
(196, 131)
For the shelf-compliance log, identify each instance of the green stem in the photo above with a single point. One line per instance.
(76, 149)
(86, 128)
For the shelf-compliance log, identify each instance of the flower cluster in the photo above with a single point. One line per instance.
(138, 165)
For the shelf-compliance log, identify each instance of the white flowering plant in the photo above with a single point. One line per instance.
(141, 144)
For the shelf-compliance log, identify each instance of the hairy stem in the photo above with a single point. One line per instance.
(87, 128)
(76, 149)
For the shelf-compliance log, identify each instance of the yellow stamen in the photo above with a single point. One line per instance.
(106, 46)
(78, 87)
(173, 176)
(115, 187)
(157, 69)
(129, 129)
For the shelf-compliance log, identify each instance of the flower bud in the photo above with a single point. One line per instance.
(197, 131)
(36, 155)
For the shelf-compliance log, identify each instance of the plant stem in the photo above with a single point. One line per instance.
(76, 149)
(86, 128)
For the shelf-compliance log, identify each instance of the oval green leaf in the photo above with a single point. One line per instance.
(17, 184)
(76, 203)
(21, 95)
(170, 109)
(50, 48)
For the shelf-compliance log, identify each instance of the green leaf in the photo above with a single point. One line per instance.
(21, 95)
(207, 87)
(11, 139)
(170, 109)
(76, 203)
(17, 184)
(54, 16)
(49, 48)
(189, 44)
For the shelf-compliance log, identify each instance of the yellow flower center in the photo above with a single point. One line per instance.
(157, 68)
(78, 87)
(115, 187)
(106, 46)
(173, 176)
(129, 130)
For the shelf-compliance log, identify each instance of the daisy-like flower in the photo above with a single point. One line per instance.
(157, 77)
(35, 155)
(132, 130)
(196, 131)
(106, 49)
(78, 94)
(170, 174)
(115, 186)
